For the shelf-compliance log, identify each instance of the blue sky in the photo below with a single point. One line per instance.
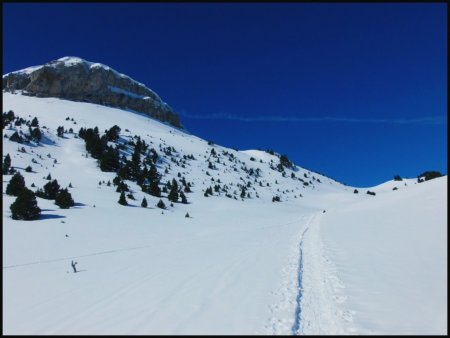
(355, 91)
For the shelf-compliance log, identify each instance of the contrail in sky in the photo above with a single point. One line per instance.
(221, 116)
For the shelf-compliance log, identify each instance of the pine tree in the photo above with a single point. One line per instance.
(51, 190)
(16, 185)
(243, 193)
(208, 192)
(7, 118)
(187, 215)
(284, 161)
(109, 160)
(36, 134)
(6, 164)
(122, 199)
(60, 131)
(155, 189)
(183, 198)
(25, 206)
(64, 199)
(153, 173)
(161, 205)
(144, 203)
(113, 133)
(122, 187)
(16, 137)
(35, 122)
(136, 157)
(173, 194)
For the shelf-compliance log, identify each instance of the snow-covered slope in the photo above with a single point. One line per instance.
(237, 265)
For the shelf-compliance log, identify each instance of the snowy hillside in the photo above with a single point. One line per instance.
(241, 263)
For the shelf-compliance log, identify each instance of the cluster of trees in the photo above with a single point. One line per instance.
(34, 132)
(7, 118)
(141, 168)
(428, 175)
(52, 191)
(25, 206)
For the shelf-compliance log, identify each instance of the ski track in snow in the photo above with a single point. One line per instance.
(311, 294)
(280, 321)
(298, 309)
(322, 300)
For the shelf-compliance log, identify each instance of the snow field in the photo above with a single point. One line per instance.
(369, 265)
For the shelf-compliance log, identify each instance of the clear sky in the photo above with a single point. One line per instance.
(355, 91)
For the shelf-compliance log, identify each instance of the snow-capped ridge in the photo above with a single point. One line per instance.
(76, 79)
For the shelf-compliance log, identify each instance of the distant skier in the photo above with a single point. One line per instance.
(73, 266)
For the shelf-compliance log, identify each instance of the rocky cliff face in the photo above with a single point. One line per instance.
(75, 79)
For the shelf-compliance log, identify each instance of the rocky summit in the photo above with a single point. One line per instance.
(75, 79)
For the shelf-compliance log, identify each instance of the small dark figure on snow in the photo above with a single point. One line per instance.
(323, 211)
(73, 266)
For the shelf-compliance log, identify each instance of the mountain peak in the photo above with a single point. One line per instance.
(73, 78)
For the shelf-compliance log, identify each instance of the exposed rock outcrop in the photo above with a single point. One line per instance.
(75, 79)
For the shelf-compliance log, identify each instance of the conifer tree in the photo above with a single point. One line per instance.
(25, 206)
(113, 133)
(243, 192)
(122, 199)
(64, 199)
(155, 189)
(15, 185)
(144, 203)
(60, 131)
(161, 205)
(122, 187)
(51, 190)
(36, 134)
(183, 198)
(35, 122)
(153, 173)
(6, 164)
(16, 137)
(173, 194)
(109, 160)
